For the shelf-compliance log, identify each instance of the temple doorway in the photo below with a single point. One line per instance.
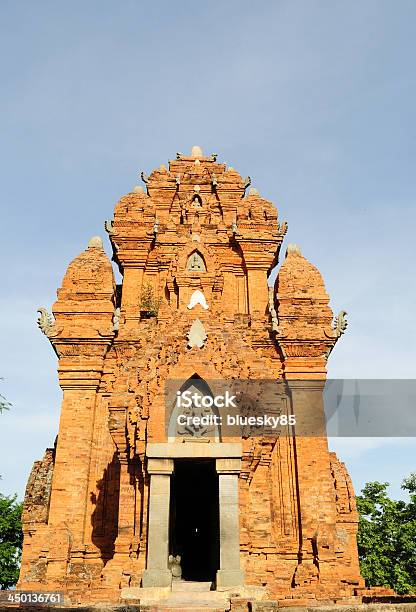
(194, 518)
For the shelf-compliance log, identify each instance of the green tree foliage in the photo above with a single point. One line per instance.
(387, 537)
(10, 540)
(11, 536)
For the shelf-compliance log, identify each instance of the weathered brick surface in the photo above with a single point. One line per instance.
(38, 490)
(86, 532)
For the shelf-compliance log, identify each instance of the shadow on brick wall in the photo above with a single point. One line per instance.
(104, 518)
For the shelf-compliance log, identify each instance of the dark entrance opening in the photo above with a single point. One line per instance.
(194, 518)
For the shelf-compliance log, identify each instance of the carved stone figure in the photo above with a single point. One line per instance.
(196, 263)
(199, 421)
(174, 564)
(116, 319)
(197, 202)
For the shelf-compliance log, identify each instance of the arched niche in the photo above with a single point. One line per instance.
(196, 262)
(197, 202)
(193, 399)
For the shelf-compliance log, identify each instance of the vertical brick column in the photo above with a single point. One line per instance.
(132, 282)
(316, 490)
(259, 255)
(119, 568)
(79, 379)
(157, 572)
(69, 495)
(117, 423)
(230, 573)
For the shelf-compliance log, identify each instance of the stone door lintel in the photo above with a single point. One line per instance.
(160, 466)
(228, 466)
(194, 450)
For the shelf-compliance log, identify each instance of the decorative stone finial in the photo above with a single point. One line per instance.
(138, 189)
(282, 228)
(46, 322)
(196, 335)
(196, 151)
(197, 188)
(340, 323)
(162, 168)
(108, 226)
(247, 182)
(95, 243)
(198, 298)
(253, 191)
(293, 249)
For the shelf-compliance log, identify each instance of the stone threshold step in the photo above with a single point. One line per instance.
(188, 585)
(193, 596)
(188, 602)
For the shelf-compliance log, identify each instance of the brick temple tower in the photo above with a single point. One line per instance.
(266, 516)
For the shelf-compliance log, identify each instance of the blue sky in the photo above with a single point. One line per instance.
(314, 100)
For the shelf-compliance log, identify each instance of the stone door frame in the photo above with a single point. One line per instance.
(160, 465)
